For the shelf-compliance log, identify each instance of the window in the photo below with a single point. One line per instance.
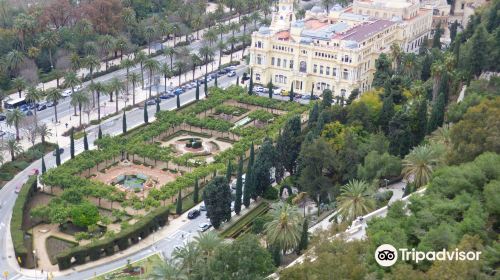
(315, 68)
(334, 72)
(284, 63)
(291, 64)
(259, 59)
(260, 45)
(276, 79)
(298, 85)
(345, 74)
(303, 67)
(272, 61)
(321, 69)
(257, 77)
(279, 62)
(327, 70)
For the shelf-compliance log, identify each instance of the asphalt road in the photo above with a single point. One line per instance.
(112, 126)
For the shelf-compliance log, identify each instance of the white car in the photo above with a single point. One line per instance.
(66, 93)
(204, 227)
(259, 89)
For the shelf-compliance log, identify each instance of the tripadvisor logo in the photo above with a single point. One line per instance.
(387, 255)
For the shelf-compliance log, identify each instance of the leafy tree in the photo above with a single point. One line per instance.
(492, 197)
(72, 196)
(84, 214)
(178, 207)
(239, 187)
(387, 113)
(217, 198)
(378, 166)
(288, 144)
(354, 200)
(327, 99)
(304, 237)
(354, 94)
(399, 134)
(383, 71)
(284, 229)
(72, 143)
(437, 114)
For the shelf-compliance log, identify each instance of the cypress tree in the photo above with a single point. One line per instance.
(327, 99)
(250, 87)
(249, 182)
(437, 114)
(157, 101)
(229, 171)
(178, 207)
(99, 133)
(291, 93)
(313, 115)
(304, 238)
(238, 80)
(85, 141)
(146, 118)
(72, 143)
(196, 191)
(270, 89)
(44, 167)
(178, 101)
(215, 81)
(124, 123)
(421, 121)
(239, 187)
(276, 254)
(387, 113)
(58, 156)
(205, 86)
(453, 31)
(312, 92)
(354, 94)
(197, 95)
(436, 40)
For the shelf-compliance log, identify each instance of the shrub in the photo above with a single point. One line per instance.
(271, 193)
(382, 198)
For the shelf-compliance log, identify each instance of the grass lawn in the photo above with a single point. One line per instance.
(244, 223)
(146, 264)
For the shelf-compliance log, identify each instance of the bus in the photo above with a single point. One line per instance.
(14, 103)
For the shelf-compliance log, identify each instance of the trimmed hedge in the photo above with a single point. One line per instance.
(16, 223)
(121, 241)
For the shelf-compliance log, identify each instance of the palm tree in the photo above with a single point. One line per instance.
(134, 79)
(419, 164)
(14, 118)
(20, 84)
(169, 52)
(152, 66)
(207, 243)
(255, 16)
(354, 200)
(195, 62)
(207, 53)
(71, 80)
(180, 66)
(167, 271)
(245, 41)
(232, 41)
(140, 58)
(14, 148)
(54, 95)
(98, 88)
(49, 40)
(79, 99)
(92, 63)
(188, 256)
(442, 135)
(437, 70)
(167, 74)
(44, 131)
(410, 65)
(150, 34)
(284, 229)
(396, 55)
(210, 36)
(106, 44)
(197, 23)
(33, 95)
(121, 45)
(127, 64)
(115, 86)
(221, 45)
(75, 61)
(245, 20)
(13, 59)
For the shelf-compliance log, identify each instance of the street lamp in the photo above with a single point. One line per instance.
(386, 181)
(34, 260)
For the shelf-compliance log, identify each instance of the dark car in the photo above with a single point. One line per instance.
(41, 107)
(151, 102)
(193, 214)
(61, 150)
(167, 95)
(2, 117)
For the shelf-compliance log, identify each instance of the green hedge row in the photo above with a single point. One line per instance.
(16, 223)
(121, 241)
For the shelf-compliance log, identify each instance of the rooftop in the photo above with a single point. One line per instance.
(362, 32)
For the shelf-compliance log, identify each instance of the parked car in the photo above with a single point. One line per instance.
(151, 101)
(41, 107)
(178, 91)
(50, 104)
(202, 207)
(231, 74)
(2, 117)
(204, 227)
(284, 92)
(61, 150)
(66, 93)
(193, 214)
(18, 188)
(167, 95)
(259, 89)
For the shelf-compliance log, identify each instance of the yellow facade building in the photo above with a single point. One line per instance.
(337, 49)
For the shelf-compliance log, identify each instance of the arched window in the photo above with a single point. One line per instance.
(303, 67)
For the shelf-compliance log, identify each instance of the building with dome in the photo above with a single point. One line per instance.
(334, 49)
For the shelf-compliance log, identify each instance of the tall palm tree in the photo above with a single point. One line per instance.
(150, 34)
(167, 74)
(419, 164)
(98, 88)
(14, 148)
(134, 79)
(54, 95)
(210, 36)
(220, 29)
(284, 229)
(152, 66)
(232, 41)
(13, 59)
(71, 80)
(127, 64)
(49, 41)
(14, 118)
(106, 44)
(188, 256)
(121, 46)
(354, 200)
(437, 70)
(396, 55)
(115, 86)
(79, 99)
(169, 52)
(410, 62)
(180, 66)
(207, 243)
(245, 41)
(167, 271)
(140, 58)
(44, 131)
(75, 61)
(221, 45)
(195, 62)
(92, 63)
(207, 53)
(197, 24)
(33, 95)
(442, 135)
(20, 84)
(255, 16)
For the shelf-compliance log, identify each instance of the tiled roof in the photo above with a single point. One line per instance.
(362, 32)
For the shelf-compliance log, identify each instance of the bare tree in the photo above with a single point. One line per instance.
(29, 127)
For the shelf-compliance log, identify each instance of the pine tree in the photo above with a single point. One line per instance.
(386, 114)
(58, 156)
(44, 167)
(178, 207)
(205, 86)
(99, 133)
(178, 101)
(250, 87)
(327, 99)
(124, 123)
(239, 187)
(146, 118)
(217, 198)
(196, 191)
(85, 141)
(197, 94)
(291, 95)
(270, 89)
(157, 101)
(437, 114)
(72, 143)
(304, 238)
(229, 171)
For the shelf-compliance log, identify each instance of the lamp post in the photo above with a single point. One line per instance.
(386, 181)
(34, 260)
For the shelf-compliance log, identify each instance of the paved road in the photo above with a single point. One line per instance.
(113, 127)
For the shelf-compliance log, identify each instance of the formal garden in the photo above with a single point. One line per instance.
(105, 200)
